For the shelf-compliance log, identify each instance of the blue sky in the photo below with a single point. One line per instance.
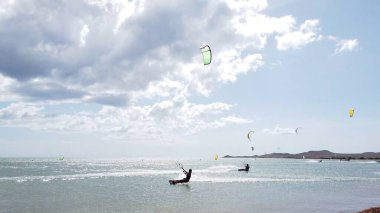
(115, 78)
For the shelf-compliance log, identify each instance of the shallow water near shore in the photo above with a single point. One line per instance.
(141, 185)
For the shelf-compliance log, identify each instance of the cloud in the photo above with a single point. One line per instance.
(83, 35)
(119, 54)
(127, 9)
(232, 64)
(164, 88)
(5, 84)
(306, 34)
(19, 111)
(259, 24)
(279, 131)
(236, 120)
(138, 122)
(228, 65)
(139, 63)
(39, 89)
(257, 27)
(118, 100)
(346, 46)
(114, 48)
(252, 27)
(248, 6)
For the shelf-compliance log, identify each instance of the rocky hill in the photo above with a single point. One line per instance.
(322, 154)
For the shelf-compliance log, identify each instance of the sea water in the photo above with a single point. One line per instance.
(141, 185)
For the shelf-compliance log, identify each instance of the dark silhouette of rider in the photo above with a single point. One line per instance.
(184, 180)
(246, 168)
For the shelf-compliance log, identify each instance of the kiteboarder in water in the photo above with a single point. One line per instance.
(184, 180)
(245, 169)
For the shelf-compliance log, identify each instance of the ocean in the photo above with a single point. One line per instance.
(141, 185)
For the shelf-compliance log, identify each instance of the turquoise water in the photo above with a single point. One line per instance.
(141, 185)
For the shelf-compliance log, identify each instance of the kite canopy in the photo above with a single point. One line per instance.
(206, 53)
(296, 130)
(248, 135)
(352, 110)
(249, 138)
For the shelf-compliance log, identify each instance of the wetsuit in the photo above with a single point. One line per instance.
(246, 168)
(184, 180)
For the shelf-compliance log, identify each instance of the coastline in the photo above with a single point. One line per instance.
(322, 154)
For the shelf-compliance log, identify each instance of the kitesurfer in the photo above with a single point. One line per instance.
(184, 180)
(246, 168)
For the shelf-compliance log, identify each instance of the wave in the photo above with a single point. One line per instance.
(219, 169)
(367, 162)
(136, 172)
(195, 178)
(312, 161)
(274, 179)
(90, 175)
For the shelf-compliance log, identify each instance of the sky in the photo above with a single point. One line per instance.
(118, 78)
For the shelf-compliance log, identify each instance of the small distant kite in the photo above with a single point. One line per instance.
(248, 135)
(352, 111)
(206, 53)
(297, 129)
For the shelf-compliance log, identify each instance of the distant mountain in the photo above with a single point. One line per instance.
(322, 154)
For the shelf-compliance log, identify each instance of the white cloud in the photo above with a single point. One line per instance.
(232, 64)
(19, 111)
(226, 67)
(140, 64)
(279, 131)
(263, 25)
(146, 58)
(247, 5)
(162, 88)
(306, 34)
(255, 27)
(83, 35)
(5, 84)
(4, 6)
(138, 122)
(236, 120)
(127, 9)
(346, 46)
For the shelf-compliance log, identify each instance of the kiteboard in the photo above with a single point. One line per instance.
(171, 182)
